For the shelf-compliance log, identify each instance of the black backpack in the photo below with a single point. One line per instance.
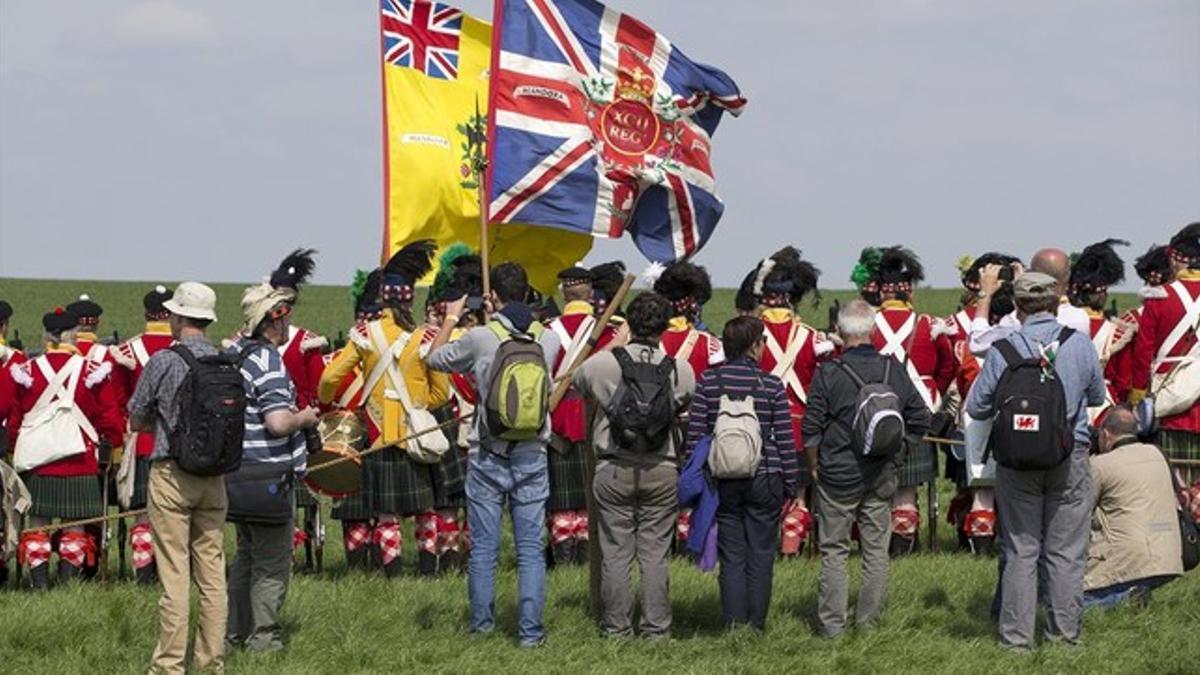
(877, 429)
(211, 405)
(1031, 431)
(641, 414)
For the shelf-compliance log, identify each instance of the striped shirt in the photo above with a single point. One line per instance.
(268, 388)
(738, 378)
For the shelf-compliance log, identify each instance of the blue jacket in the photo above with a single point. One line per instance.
(698, 492)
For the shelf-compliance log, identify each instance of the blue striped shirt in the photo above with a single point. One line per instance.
(268, 388)
(739, 378)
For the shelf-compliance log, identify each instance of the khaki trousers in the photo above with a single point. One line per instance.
(187, 513)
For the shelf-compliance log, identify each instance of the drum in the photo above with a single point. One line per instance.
(343, 436)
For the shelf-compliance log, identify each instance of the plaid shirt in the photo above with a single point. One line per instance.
(153, 400)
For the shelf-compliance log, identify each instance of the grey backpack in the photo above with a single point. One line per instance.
(877, 429)
(737, 438)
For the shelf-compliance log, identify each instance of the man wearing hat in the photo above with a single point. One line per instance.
(187, 512)
(439, 531)
(688, 287)
(1093, 272)
(1167, 343)
(354, 511)
(1044, 515)
(792, 352)
(262, 503)
(88, 343)
(919, 342)
(59, 464)
(133, 478)
(566, 463)
(973, 509)
(398, 485)
(303, 356)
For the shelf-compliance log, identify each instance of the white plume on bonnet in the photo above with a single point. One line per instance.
(652, 272)
(764, 269)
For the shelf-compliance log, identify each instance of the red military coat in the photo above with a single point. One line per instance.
(786, 334)
(1112, 339)
(304, 362)
(705, 351)
(1159, 318)
(91, 349)
(577, 322)
(900, 331)
(132, 356)
(8, 357)
(966, 366)
(95, 399)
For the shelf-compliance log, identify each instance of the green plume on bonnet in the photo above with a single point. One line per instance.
(868, 264)
(358, 286)
(445, 274)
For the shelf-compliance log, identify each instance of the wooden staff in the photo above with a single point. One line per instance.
(564, 383)
(370, 451)
(314, 469)
(84, 521)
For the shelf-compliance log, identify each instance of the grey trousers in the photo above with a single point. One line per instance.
(258, 584)
(636, 510)
(1045, 515)
(836, 513)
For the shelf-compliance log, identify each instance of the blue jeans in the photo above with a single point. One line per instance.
(524, 483)
(1113, 596)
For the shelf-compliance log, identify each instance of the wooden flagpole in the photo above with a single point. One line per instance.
(564, 383)
(476, 138)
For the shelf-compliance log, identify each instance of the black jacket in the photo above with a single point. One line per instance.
(830, 412)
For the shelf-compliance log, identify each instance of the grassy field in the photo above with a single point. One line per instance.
(936, 621)
(327, 309)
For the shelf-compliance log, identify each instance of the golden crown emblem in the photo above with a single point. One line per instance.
(635, 85)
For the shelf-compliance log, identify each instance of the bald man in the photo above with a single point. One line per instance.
(1135, 543)
(1054, 262)
(1051, 261)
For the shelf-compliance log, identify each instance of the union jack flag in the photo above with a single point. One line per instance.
(422, 35)
(600, 125)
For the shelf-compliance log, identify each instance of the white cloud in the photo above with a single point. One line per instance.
(159, 20)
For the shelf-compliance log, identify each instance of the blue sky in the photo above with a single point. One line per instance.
(166, 140)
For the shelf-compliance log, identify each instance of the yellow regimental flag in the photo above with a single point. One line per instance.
(435, 64)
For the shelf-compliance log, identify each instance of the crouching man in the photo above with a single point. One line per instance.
(1135, 545)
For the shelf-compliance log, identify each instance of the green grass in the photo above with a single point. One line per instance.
(327, 310)
(936, 620)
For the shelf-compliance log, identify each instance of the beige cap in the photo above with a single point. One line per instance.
(258, 301)
(193, 300)
(1035, 286)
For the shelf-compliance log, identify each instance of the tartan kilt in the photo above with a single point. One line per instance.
(450, 480)
(450, 475)
(567, 469)
(141, 483)
(1182, 445)
(399, 484)
(920, 466)
(68, 498)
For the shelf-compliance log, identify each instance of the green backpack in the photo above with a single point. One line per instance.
(518, 385)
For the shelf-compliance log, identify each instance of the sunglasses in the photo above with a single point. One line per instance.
(279, 312)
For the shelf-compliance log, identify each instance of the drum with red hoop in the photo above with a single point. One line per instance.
(336, 469)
